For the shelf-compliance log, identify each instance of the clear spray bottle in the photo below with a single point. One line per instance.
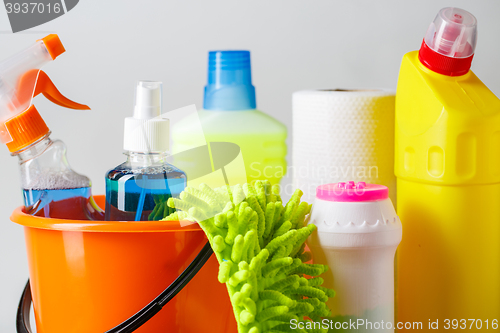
(50, 187)
(138, 189)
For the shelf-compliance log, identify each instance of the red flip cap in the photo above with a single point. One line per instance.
(450, 41)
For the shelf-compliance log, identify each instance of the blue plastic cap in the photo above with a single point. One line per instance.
(229, 81)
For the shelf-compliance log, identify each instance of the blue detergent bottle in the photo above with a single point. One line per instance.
(138, 189)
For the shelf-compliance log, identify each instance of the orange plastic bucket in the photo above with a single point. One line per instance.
(88, 277)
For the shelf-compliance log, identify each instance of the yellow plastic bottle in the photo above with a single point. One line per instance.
(229, 115)
(448, 180)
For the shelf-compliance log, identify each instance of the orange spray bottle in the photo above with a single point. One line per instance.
(50, 187)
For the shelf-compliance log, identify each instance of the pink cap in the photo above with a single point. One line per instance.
(352, 192)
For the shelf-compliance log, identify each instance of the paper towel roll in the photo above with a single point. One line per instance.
(343, 135)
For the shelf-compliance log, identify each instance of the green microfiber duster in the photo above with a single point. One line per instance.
(259, 244)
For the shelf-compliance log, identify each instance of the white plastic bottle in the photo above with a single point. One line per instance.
(357, 234)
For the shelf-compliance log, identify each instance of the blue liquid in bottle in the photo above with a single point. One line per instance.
(141, 193)
(61, 203)
(51, 188)
(139, 189)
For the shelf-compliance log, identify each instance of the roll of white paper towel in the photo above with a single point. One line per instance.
(343, 135)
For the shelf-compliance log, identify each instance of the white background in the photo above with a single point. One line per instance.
(295, 45)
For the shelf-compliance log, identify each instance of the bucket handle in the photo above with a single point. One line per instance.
(140, 318)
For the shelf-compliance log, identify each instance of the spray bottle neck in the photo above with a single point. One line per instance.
(146, 159)
(33, 150)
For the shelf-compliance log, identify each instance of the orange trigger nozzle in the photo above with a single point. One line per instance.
(53, 45)
(45, 86)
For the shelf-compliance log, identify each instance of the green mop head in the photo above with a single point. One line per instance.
(260, 248)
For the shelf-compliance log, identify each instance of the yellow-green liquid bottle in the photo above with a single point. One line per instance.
(229, 115)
